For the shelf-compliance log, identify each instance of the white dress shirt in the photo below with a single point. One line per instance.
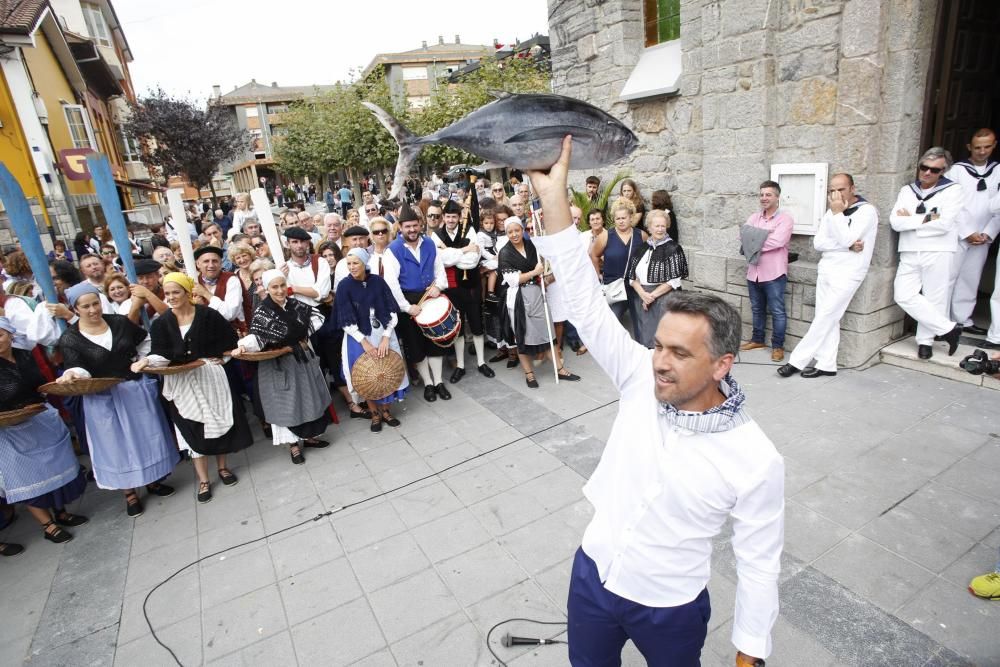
(976, 217)
(303, 276)
(837, 233)
(391, 273)
(660, 492)
(231, 307)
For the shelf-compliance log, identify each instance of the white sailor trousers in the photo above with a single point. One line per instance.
(921, 289)
(993, 335)
(966, 270)
(833, 295)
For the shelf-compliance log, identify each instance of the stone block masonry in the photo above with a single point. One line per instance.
(764, 82)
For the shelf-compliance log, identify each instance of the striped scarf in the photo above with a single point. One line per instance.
(723, 417)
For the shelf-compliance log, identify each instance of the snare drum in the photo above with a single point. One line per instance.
(439, 320)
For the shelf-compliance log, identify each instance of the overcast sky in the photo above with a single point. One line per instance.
(186, 46)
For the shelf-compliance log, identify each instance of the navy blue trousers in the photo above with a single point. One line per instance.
(600, 623)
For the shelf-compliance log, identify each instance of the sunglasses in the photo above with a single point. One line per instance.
(258, 245)
(107, 252)
(497, 189)
(371, 210)
(433, 215)
(933, 170)
(380, 232)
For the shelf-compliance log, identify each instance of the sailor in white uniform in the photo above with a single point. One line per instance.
(925, 215)
(977, 226)
(846, 237)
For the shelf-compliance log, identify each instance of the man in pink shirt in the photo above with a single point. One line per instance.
(768, 275)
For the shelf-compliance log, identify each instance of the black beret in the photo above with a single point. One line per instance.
(144, 266)
(208, 249)
(356, 230)
(407, 214)
(297, 233)
(452, 206)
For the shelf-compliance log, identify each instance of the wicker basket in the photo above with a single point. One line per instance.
(264, 356)
(174, 370)
(14, 417)
(79, 386)
(374, 378)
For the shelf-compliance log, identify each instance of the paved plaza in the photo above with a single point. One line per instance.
(891, 508)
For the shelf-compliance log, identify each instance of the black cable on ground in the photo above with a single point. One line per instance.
(327, 513)
(500, 662)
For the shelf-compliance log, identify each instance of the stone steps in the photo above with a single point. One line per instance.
(903, 353)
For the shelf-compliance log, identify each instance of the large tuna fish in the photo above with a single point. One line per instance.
(520, 131)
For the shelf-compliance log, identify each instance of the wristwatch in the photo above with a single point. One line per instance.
(744, 660)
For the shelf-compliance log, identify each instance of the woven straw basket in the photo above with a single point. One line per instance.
(375, 378)
(264, 356)
(14, 417)
(174, 370)
(79, 387)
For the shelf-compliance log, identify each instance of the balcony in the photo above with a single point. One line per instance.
(136, 171)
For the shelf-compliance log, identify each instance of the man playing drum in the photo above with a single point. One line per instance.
(460, 256)
(414, 264)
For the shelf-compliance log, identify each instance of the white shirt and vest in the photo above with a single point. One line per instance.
(668, 481)
(303, 275)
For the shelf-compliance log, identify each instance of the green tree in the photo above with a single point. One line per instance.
(181, 139)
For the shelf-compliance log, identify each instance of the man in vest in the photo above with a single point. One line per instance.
(305, 281)
(219, 290)
(415, 265)
(925, 215)
(458, 253)
(977, 226)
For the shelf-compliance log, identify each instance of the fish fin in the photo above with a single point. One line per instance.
(551, 132)
(486, 166)
(499, 94)
(409, 146)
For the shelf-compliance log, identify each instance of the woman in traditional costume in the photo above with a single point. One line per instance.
(297, 397)
(207, 419)
(522, 274)
(366, 311)
(130, 441)
(654, 271)
(37, 464)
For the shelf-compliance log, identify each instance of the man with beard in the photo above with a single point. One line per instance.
(93, 269)
(458, 253)
(683, 458)
(414, 264)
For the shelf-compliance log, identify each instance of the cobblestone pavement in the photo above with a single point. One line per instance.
(891, 508)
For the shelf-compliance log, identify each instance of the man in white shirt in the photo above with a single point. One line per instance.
(977, 226)
(308, 277)
(683, 457)
(219, 290)
(846, 237)
(368, 208)
(305, 221)
(333, 227)
(925, 215)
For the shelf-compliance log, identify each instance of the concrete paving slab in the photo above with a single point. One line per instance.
(387, 561)
(480, 573)
(412, 604)
(312, 592)
(339, 637)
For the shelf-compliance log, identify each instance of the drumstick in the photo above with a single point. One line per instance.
(175, 199)
(266, 218)
(426, 296)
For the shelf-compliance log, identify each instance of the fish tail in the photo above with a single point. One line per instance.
(409, 145)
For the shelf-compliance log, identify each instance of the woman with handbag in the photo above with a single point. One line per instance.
(653, 272)
(616, 249)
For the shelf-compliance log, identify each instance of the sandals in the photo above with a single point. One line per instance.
(569, 377)
(57, 536)
(64, 518)
(387, 418)
(160, 490)
(204, 492)
(10, 549)
(529, 379)
(360, 414)
(376, 426)
(298, 458)
(315, 443)
(227, 477)
(134, 506)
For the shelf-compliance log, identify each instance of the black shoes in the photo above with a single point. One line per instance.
(443, 392)
(204, 492)
(567, 376)
(788, 370)
(487, 371)
(10, 549)
(227, 477)
(974, 330)
(512, 362)
(390, 420)
(67, 519)
(952, 339)
(133, 506)
(499, 356)
(456, 375)
(816, 373)
(429, 394)
(376, 426)
(298, 458)
(529, 379)
(989, 345)
(316, 444)
(57, 536)
(925, 351)
(164, 491)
